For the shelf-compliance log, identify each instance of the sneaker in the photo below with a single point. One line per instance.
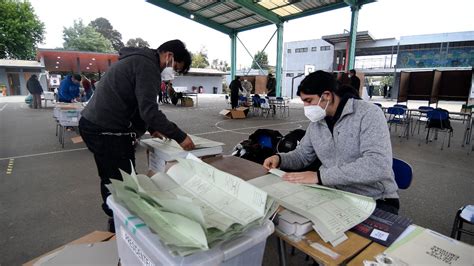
(111, 225)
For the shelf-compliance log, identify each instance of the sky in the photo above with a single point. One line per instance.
(137, 18)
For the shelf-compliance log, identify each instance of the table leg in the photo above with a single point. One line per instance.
(281, 251)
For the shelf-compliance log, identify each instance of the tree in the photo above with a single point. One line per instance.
(20, 30)
(262, 59)
(103, 26)
(137, 42)
(220, 65)
(199, 60)
(85, 38)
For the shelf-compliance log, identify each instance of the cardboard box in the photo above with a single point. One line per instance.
(94, 237)
(187, 102)
(237, 113)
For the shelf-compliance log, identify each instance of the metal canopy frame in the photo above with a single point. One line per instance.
(232, 17)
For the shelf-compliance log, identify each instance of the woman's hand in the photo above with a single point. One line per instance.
(307, 177)
(187, 144)
(272, 162)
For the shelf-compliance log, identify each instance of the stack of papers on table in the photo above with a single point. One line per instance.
(170, 150)
(332, 211)
(427, 247)
(194, 205)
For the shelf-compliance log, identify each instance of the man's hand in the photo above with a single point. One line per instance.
(271, 162)
(307, 177)
(157, 134)
(187, 144)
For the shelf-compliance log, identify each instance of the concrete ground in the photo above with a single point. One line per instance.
(50, 196)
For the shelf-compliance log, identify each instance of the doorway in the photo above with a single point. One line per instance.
(14, 84)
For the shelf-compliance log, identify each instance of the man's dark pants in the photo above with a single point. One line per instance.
(111, 153)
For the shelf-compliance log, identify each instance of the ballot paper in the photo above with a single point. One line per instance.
(169, 150)
(194, 205)
(332, 211)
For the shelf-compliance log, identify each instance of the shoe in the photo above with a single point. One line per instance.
(111, 225)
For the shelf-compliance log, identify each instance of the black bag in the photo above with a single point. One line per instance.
(290, 140)
(260, 145)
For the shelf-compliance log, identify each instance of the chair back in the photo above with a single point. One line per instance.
(425, 108)
(396, 110)
(438, 114)
(401, 106)
(378, 104)
(403, 173)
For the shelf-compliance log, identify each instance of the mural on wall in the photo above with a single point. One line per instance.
(454, 57)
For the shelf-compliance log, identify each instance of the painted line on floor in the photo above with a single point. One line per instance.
(10, 166)
(234, 130)
(3, 107)
(40, 154)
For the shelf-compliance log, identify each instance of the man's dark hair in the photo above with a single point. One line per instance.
(353, 71)
(77, 77)
(34, 76)
(180, 53)
(317, 83)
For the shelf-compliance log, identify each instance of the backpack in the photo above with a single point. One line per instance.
(260, 145)
(290, 140)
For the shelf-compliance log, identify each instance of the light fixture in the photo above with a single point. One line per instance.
(59, 57)
(57, 67)
(57, 63)
(90, 64)
(87, 67)
(93, 59)
(191, 16)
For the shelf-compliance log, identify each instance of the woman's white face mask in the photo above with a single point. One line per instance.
(315, 113)
(168, 73)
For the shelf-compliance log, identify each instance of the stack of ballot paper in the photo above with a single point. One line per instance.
(332, 211)
(169, 149)
(194, 205)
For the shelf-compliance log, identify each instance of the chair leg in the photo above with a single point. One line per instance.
(427, 135)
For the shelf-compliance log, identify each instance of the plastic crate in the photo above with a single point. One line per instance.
(137, 244)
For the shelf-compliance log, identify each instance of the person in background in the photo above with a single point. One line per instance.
(271, 85)
(124, 107)
(34, 87)
(235, 87)
(355, 81)
(86, 84)
(341, 135)
(385, 89)
(247, 85)
(69, 89)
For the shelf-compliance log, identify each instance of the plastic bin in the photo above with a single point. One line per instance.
(137, 244)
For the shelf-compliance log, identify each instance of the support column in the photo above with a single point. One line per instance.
(278, 69)
(233, 55)
(353, 35)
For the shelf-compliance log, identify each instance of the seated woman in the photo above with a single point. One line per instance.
(350, 137)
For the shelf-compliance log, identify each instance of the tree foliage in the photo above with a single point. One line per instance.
(199, 60)
(103, 26)
(20, 30)
(137, 42)
(85, 38)
(220, 65)
(262, 59)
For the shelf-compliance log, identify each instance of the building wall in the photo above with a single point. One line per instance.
(23, 74)
(208, 82)
(300, 53)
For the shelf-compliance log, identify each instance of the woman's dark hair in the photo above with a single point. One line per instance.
(320, 81)
(317, 83)
(180, 53)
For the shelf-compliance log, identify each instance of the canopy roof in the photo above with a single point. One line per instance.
(241, 15)
(64, 60)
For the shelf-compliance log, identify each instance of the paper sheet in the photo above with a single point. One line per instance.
(332, 211)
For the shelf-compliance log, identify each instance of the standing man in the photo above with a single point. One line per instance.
(34, 87)
(271, 85)
(355, 81)
(69, 88)
(124, 107)
(235, 86)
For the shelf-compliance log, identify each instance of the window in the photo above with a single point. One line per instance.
(290, 75)
(301, 50)
(314, 49)
(325, 48)
(289, 51)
